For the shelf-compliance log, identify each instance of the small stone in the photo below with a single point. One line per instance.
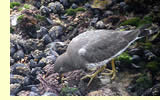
(50, 21)
(36, 71)
(87, 5)
(12, 51)
(74, 6)
(16, 79)
(43, 31)
(27, 81)
(37, 54)
(149, 55)
(55, 32)
(18, 55)
(14, 88)
(49, 94)
(42, 62)
(93, 21)
(47, 39)
(23, 93)
(33, 94)
(45, 11)
(108, 13)
(12, 61)
(56, 7)
(65, 3)
(20, 69)
(100, 25)
(51, 59)
(33, 63)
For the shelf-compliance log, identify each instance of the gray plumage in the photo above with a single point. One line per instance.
(94, 48)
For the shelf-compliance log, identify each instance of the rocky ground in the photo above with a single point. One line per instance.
(40, 31)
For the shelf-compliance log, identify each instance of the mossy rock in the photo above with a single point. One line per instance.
(153, 66)
(39, 17)
(132, 21)
(26, 6)
(137, 21)
(71, 11)
(68, 91)
(20, 17)
(124, 57)
(13, 4)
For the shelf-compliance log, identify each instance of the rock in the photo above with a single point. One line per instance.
(12, 51)
(20, 69)
(13, 19)
(33, 94)
(87, 5)
(105, 80)
(42, 32)
(18, 55)
(149, 55)
(34, 89)
(42, 62)
(49, 94)
(56, 7)
(16, 79)
(47, 39)
(50, 52)
(23, 93)
(35, 71)
(108, 13)
(136, 59)
(12, 61)
(37, 54)
(65, 3)
(100, 25)
(27, 81)
(50, 21)
(154, 91)
(55, 32)
(93, 21)
(74, 6)
(51, 59)
(45, 11)
(33, 63)
(14, 88)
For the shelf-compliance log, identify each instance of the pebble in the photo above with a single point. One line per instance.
(16, 79)
(18, 55)
(47, 39)
(55, 32)
(43, 31)
(56, 7)
(33, 94)
(93, 21)
(45, 11)
(49, 94)
(74, 6)
(33, 63)
(37, 54)
(20, 69)
(100, 25)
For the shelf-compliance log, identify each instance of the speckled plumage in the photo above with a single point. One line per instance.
(94, 48)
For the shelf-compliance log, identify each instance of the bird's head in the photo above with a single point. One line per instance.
(63, 64)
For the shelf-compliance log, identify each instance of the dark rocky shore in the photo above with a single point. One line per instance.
(40, 31)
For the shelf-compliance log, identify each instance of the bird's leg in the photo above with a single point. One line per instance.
(93, 75)
(111, 72)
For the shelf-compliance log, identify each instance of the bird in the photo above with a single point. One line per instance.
(96, 48)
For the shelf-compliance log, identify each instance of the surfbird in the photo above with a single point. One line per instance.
(95, 48)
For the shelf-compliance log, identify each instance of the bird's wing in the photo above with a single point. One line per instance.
(103, 46)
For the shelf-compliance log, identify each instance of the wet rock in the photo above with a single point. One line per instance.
(49, 94)
(43, 31)
(16, 79)
(47, 39)
(45, 11)
(20, 69)
(108, 13)
(100, 25)
(18, 55)
(65, 3)
(74, 6)
(56, 7)
(55, 32)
